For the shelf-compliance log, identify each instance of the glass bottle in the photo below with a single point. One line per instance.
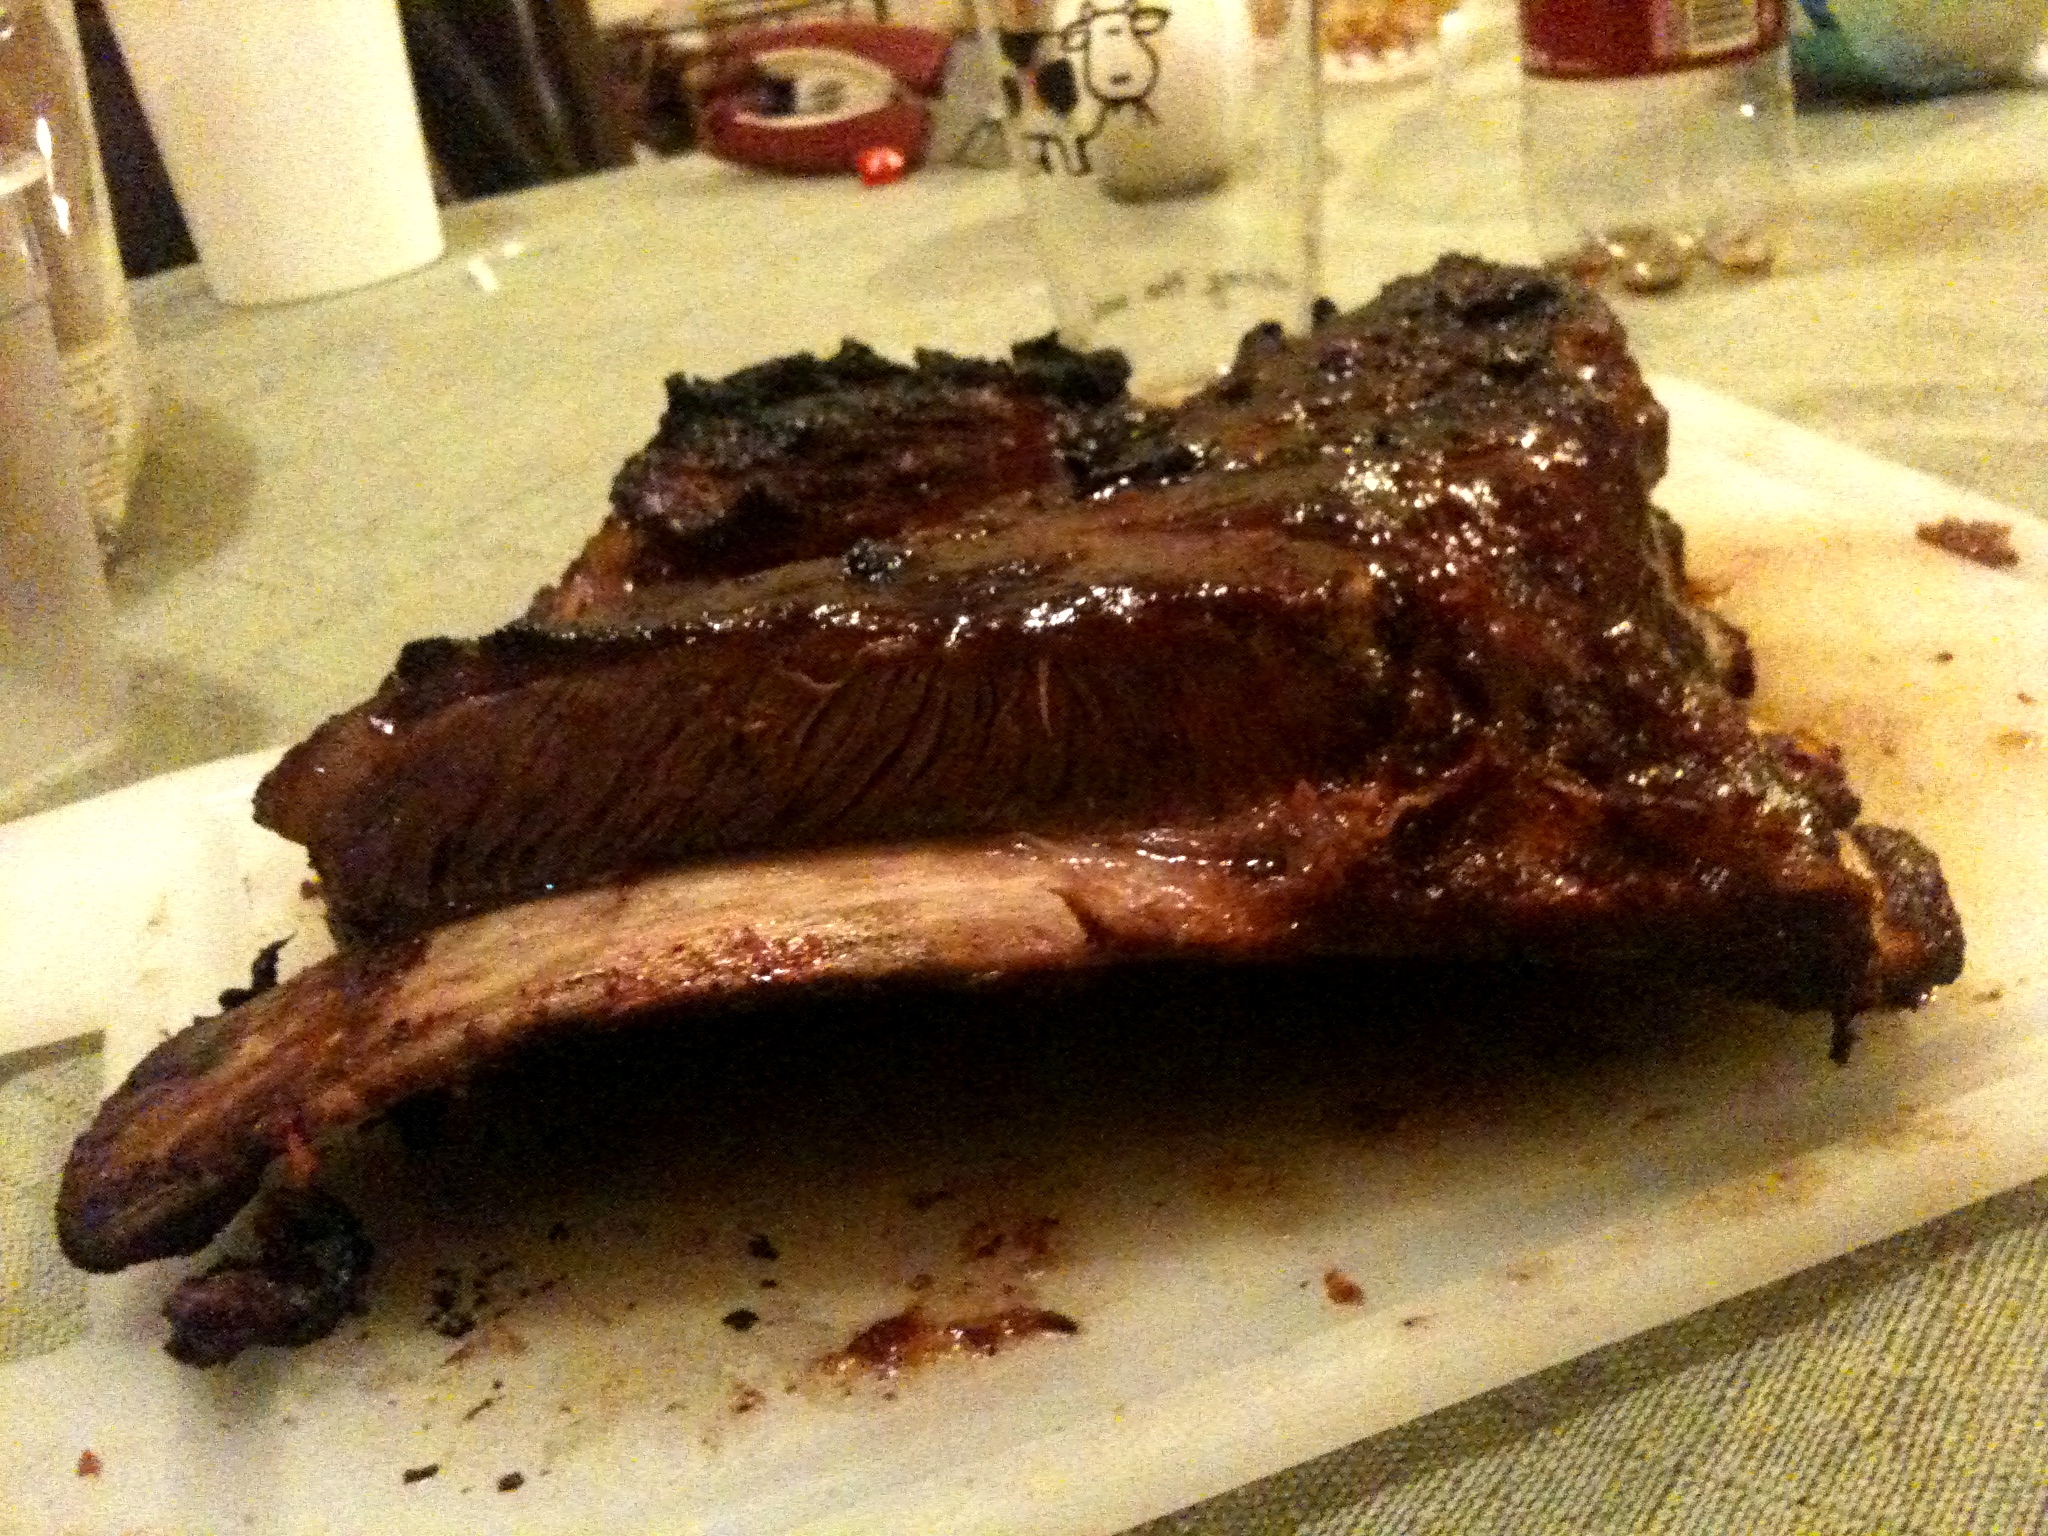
(1657, 134)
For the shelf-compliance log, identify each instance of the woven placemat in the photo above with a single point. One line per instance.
(46, 1098)
(1902, 1388)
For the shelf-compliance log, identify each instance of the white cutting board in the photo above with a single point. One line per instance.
(1184, 1215)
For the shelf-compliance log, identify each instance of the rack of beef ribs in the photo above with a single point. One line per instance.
(1376, 646)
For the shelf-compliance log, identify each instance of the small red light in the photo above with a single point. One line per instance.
(879, 165)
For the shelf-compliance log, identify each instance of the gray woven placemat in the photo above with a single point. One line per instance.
(46, 1098)
(1901, 1389)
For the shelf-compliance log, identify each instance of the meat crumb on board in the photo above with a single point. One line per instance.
(511, 1482)
(1342, 1289)
(1985, 543)
(413, 1475)
(909, 1339)
(88, 1464)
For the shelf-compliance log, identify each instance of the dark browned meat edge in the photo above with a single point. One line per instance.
(184, 1142)
(1814, 919)
(310, 1267)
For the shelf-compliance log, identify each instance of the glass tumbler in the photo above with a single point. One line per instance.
(60, 678)
(1169, 151)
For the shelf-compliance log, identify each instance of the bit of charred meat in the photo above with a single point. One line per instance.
(308, 1273)
(262, 976)
(1915, 930)
(1984, 543)
(1375, 648)
(908, 1340)
(801, 458)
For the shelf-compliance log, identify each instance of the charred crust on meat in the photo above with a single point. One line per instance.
(1487, 298)
(1266, 339)
(262, 975)
(1095, 378)
(873, 560)
(1919, 933)
(311, 1262)
(749, 396)
(797, 457)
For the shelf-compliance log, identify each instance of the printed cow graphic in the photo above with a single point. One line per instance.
(1105, 66)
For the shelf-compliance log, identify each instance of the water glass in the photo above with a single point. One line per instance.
(1169, 151)
(60, 678)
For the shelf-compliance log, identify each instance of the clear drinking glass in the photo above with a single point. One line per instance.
(1169, 151)
(60, 679)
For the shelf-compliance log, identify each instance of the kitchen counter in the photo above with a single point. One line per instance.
(329, 480)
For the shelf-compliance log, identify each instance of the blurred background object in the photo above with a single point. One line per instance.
(513, 92)
(60, 673)
(516, 92)
(150, 227)
(1364, 40)
(292, 137)
(825, 96)
(1656, 136)
(1171, 162)
(1907, 48)
(44, 114)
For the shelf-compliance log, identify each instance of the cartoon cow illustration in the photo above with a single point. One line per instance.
(1106, 67)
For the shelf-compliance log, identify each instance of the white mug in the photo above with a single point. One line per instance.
(292, 138)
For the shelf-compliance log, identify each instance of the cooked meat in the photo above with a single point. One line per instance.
(801, 458)
(308, 1272)
(185, 1140)
(182, 1144)
(1357, 556)
(1376, 647)
(1984, 543)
